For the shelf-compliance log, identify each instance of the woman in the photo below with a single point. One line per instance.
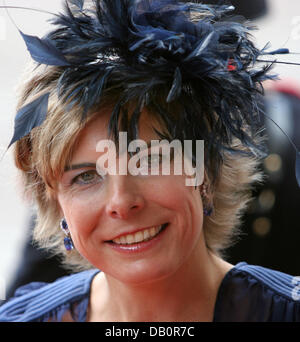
(153, 70)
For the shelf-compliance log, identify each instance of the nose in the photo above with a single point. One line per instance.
(125, 199)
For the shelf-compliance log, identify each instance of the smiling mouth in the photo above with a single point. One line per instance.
(140, 236)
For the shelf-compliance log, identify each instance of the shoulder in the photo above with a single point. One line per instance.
(42, 301)
(255, 293)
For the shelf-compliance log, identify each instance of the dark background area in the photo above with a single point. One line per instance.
(271, 230)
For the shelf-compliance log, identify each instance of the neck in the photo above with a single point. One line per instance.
(187, 295)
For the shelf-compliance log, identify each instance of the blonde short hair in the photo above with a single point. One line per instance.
(43, 154)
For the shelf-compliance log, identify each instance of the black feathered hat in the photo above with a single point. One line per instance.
(197, 55)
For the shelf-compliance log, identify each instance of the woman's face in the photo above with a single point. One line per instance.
(108, 215)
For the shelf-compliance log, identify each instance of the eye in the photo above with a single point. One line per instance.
(87, 177)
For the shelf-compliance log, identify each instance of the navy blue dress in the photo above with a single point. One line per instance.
(247, 294)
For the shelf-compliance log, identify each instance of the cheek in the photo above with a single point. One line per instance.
(82, 215)
(187, 203)
(183, 201)
(173, 190)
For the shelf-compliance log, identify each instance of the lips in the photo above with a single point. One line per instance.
(143, 235)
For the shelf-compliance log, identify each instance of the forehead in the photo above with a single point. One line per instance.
(97, 130)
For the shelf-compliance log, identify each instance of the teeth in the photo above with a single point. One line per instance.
(129, 239)
(146, 234)
(140, 236)
(152, 231)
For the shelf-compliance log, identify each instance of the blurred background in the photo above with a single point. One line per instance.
(271, 229)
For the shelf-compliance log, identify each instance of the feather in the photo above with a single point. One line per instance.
(30, 116)
(77, 3)
(201, 46)
(44, 51)
(192, 55)
(279, 51)
(176, 86)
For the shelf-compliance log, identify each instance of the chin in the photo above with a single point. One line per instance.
(141, 274)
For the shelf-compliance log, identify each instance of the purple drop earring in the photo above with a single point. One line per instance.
(67, 240)
(207, 210)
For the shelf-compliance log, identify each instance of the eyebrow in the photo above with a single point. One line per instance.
(78, 166)
(93, 165)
